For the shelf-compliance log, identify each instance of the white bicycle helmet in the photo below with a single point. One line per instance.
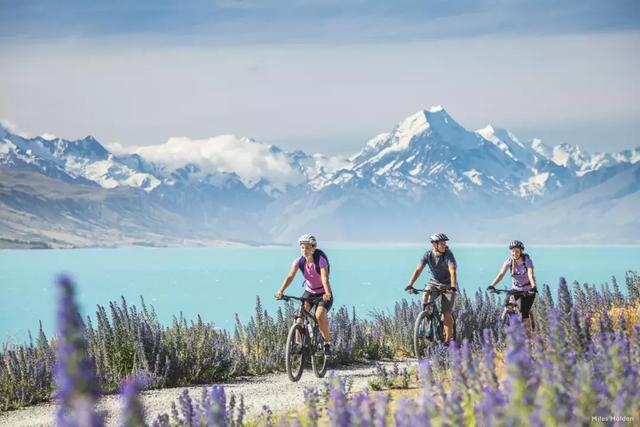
(307, 238)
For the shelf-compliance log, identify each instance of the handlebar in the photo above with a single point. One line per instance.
(290, 297)
(415, 291)
(301, 299)
(511, 291)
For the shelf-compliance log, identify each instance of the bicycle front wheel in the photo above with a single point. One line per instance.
(420, 332)
(508, 317)
(318, 358)
(294, 352)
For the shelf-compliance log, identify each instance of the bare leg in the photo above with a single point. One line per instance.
(323, 323)
(448, 326)
(425, 300)
(307, 307)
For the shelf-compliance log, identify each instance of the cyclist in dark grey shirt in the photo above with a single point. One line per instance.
(442, 265)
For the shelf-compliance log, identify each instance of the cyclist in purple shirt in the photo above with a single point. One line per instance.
(523, 279)
(317, 286)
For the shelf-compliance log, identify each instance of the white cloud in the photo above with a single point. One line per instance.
(118, 149)
(11, 127)
(249, 159)
(49, 136)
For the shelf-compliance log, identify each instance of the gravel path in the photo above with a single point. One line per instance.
(274, 390)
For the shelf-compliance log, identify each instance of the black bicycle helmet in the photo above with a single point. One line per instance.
(438, 237)
(516, 244)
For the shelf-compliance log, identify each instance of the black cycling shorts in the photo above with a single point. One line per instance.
(525, 302)
(316, 299)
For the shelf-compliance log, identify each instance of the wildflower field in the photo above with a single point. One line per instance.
(580, 367)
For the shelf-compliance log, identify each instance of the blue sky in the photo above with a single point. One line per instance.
(320, 75)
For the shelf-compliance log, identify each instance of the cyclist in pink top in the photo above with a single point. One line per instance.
(315, 268)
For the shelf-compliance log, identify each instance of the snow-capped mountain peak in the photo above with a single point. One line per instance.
(430, 126)
(435, 118)
(541, 148)
(508, 143)
(489, 133)
(572, 157)
(427, 152)
(414, 125)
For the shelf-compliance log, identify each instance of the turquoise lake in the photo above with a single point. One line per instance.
(219, 282)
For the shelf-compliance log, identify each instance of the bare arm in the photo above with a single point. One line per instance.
(415, 275)
(532, 278)
(500, 275)
(453, 271)
(287, 281)
(324, 276)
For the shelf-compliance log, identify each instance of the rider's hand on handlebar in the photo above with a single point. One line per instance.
(453, 289)
(409, 288)
(491, 288)
(278, 295)
(326, 296)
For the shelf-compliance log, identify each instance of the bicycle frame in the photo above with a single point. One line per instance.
(306, 316)
(306, 331)
(310, 325)
(432, 297)
(511, 307)
(430, 317)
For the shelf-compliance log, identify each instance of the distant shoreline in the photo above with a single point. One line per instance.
(10, 244)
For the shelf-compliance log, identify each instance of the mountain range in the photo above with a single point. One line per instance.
(428, 173)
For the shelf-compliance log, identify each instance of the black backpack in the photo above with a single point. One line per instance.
(316, 261)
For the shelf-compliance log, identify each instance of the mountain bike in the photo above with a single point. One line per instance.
(511, 309)
(429, 325)
(304, 339)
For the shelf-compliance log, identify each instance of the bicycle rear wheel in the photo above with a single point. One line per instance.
(294, 352)
(318, 358)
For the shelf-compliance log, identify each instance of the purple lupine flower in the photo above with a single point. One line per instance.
(453, 408)
(311, 400)
(76, 380)
(519, 367)
(216, 408)
(161, 420)
(430, 387)
(240, 412)
(406, 414)
(548, 399)
(267, 414)
(360, 409)
(186, 407)
(338, 405)
(490, 407)
(381, 410)
(488, 372)
(589, 393)
(132, 411)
